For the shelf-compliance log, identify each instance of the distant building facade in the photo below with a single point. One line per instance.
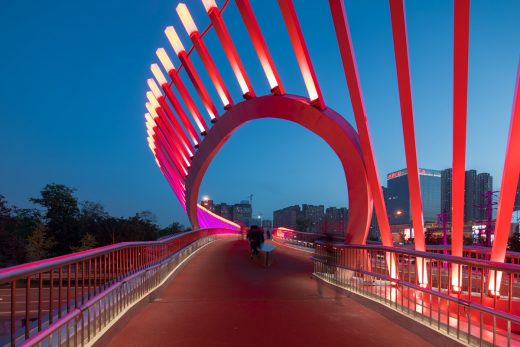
(335, 220)
(314, 214)
(238, 213)
(446, 181)
(398, 202)
(242, 212)
(484, 185)
(286, 217)
(470, 196)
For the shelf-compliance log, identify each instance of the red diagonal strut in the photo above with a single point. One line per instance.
(405, 98)
(258, 41)
(460, 97)
(508, 190)
(339, 16)
(302, 53)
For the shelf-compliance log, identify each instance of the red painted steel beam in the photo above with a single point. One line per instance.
(508, 189)
(231, 51)
(183, 92)
(460, 101)
(202, 50)
(302, 53)
(156, 70)
(260, 46)
(171, 117)
(199, 86)
(173, 148)
(405, 98)
(169, 133)
(339, 16)
(193, 75)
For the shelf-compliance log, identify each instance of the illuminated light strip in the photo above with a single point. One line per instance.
(302, 53)
(508, 190)
(460, 102)
(339, 16)
(163, 145)
(175, 103)
(258, 41)
(181, 88)
(202, 50)
(172, 181)
(161, 106)
(192, 73)
(156, 70)
(161, 139)
(170, 134)
(405, 98)
(171, 117)
(230, 49)
(222, 219)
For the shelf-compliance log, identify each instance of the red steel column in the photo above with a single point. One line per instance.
(302, 54)
(230, 50)
(169, 134)
(159, 97)
(156, 70)
(181, 88)
(258, 41)
(508, 190)
(405, 98)
(176, 43)
(348, 57)
(460, 98)
(202, 50)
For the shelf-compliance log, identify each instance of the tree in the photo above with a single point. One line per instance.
(61, 215)
(171, 229)
(88, 241)
(39, 244)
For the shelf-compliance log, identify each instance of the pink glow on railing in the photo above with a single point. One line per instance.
(208, 219)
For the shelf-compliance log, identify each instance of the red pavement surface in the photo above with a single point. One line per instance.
(221, 298)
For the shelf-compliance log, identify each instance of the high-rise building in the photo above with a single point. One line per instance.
(224, 210)
(446, 181)
(398, 202)
(208, 204)
(484, 185)
(286, 217)
(314, 214)
(242, 212)
(373, 231)
(470, 196)
(336, 220)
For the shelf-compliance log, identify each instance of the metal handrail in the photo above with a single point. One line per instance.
(10, 273)
(444, 257)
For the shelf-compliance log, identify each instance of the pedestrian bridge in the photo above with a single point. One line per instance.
(200, 288)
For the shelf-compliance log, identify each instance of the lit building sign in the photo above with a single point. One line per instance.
(422, 172)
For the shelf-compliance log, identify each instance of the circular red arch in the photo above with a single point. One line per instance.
(327, 124)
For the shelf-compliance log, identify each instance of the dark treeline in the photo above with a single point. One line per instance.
(63, 225)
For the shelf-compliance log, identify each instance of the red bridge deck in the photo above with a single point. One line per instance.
(221, 298)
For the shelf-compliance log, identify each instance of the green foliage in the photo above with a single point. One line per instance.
(39, 244)
(88, 241)
(65, 225)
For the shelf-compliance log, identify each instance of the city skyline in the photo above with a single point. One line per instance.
(72, 101)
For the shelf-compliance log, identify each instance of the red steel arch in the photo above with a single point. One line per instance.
(327, 124)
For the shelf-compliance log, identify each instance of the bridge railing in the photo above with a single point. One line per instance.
(63, 296)
(468, 314)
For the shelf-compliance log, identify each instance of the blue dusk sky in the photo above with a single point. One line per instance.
(73, 83)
